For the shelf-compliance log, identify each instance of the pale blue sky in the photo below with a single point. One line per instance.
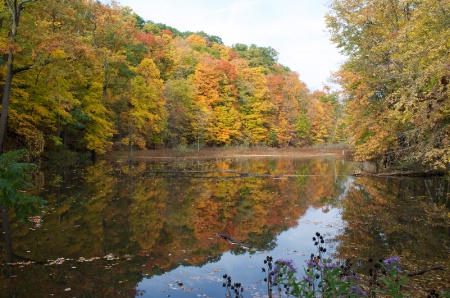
(294, 28)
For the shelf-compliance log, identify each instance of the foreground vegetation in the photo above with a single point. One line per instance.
(325, 278)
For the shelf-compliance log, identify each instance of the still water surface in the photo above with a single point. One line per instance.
(149, 228)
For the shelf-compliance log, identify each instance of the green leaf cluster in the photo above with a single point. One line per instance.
(14, 181)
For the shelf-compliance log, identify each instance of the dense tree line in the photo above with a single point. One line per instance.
(396, 78)
(83, 75)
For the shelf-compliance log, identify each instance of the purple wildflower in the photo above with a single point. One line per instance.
(355, 290)
(393, 262)
(351, 277)
(307, 279)
(330, 265)
(287, 263)
(291, 266)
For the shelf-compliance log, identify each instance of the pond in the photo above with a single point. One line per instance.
(151, 228)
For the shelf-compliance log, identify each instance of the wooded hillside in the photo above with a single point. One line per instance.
(89, 76)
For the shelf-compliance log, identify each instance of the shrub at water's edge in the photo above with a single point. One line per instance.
(14, 181)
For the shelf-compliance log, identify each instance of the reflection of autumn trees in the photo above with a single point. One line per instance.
(77, 217)
(89, 279)
(322, 182)
(163, 213)
(387, 217)
(146, 212)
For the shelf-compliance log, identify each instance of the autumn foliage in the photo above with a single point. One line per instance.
(97, 77)
(396, 79)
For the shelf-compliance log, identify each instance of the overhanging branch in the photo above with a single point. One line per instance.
(20, 69)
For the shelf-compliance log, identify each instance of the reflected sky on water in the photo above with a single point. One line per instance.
(295, 243)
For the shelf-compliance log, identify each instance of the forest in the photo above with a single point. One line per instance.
(98, 77)
(81, 75)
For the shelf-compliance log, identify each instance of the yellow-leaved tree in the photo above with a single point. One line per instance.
(147, 116)
(395, 81)
(98, 129)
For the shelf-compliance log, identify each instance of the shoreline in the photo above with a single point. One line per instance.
(214, 153)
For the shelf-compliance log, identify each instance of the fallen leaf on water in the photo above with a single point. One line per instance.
(215, 271)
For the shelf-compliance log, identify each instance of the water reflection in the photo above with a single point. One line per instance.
(407, 217)
(143, 228)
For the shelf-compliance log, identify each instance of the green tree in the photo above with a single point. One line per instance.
(257, 56)
(180, 108)
(14, 181)
(303, 128)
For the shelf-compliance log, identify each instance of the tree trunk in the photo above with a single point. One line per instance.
(6, 98)
(15, 8)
